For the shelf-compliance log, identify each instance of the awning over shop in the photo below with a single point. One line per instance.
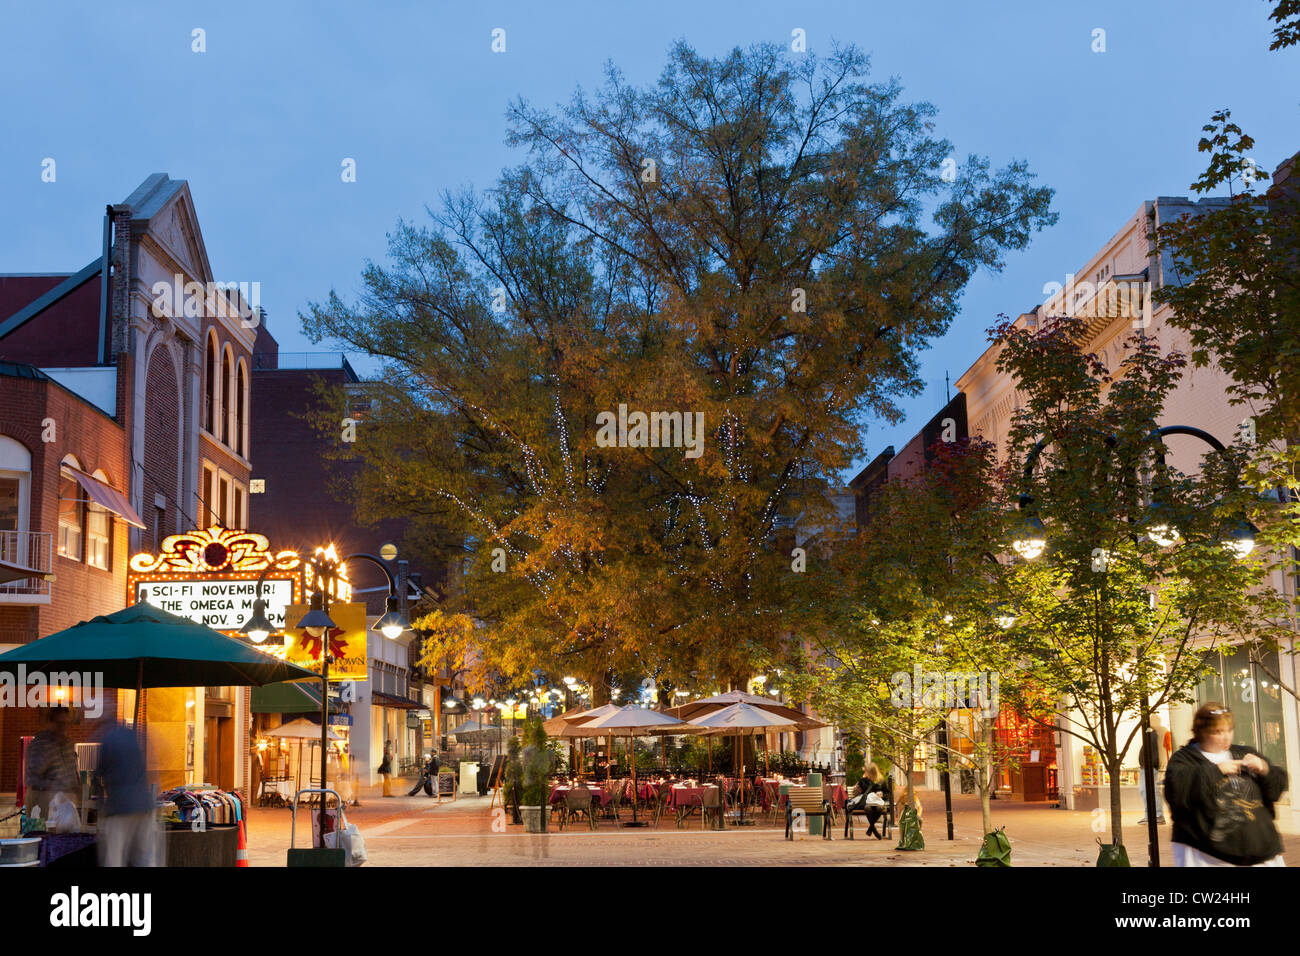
(290, 698)
(388, 700)
(107, 497)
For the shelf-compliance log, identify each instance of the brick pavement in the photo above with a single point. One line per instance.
(415, 831)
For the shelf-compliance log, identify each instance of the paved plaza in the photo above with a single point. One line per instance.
(415, 831)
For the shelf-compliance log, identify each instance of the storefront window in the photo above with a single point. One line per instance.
(1251, 694)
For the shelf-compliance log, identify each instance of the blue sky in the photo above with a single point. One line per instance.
(260, 122)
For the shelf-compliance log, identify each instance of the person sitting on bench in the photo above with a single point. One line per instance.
(871, 782)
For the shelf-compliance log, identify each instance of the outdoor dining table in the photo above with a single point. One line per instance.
(599, 797)
(647, 791)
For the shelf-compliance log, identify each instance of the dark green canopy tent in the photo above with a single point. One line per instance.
(144, 646)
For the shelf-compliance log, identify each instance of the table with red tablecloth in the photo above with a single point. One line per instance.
(599, 798)
(682, 798)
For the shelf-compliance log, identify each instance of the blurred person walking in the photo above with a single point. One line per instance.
(51, 766)
(128, 823)
(1221, 796)
(386, 769)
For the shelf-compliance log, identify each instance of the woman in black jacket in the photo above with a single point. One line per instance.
(870, 782)
(1222, 795)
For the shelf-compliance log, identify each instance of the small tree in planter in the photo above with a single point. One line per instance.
(536, 764)
(514, 780)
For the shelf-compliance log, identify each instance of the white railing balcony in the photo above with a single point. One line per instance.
(32, 551)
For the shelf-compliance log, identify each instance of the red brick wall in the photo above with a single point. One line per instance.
(64, 335)
(79, 591)
(162, 416)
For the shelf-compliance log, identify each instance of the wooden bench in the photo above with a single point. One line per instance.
(811, 802)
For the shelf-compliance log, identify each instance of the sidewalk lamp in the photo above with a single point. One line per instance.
(257, 627)
(317, 622)
(1161, 529)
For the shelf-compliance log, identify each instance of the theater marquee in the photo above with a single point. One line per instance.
(210, 576)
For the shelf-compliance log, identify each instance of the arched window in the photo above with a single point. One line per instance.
(210, 385)
(72, 511)
(227, 392)
(241, 411)
(15, 485)
(99, 531)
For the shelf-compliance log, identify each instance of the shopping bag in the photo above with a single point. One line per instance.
(346, 836)
(64, 817)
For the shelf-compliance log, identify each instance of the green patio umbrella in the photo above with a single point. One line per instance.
(144, 646)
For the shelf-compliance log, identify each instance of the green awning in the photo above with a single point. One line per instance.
(295, 698)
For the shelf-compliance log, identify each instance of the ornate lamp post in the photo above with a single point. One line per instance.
(318, 623)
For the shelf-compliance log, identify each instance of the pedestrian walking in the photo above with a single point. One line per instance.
(128, 822)
(386, 769)
(1221, 796)
(1153, 752)
(51, 765)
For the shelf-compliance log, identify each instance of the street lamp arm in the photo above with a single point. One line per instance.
(361, 555)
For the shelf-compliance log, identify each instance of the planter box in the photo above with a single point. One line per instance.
(534, 819)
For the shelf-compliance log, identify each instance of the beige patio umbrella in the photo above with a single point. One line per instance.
(740, 717)
(633, 721)
(572, 724)
(300, 730)
(707, 705)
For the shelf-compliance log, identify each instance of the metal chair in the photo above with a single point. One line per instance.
(578, 801)
(660, 803)
(616, 791)
(711, 807)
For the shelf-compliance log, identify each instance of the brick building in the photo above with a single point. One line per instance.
(124, 418)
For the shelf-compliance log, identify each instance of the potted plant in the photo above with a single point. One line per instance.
(536, 761)
(514, 780)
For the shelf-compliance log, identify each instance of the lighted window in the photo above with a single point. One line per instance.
(237, 519)
(99, 532)
(72, 514)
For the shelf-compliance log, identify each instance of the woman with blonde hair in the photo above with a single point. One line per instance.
(1221, 795)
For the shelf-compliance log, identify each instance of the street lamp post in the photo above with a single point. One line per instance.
(1241, 540)
(318, 623)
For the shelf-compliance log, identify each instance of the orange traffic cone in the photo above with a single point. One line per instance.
(241, 854)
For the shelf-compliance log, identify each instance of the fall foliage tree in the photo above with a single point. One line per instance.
(759, 243)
